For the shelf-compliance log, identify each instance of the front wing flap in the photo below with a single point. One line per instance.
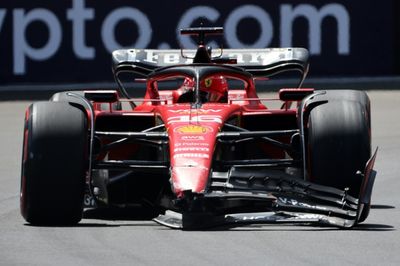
(285, 200)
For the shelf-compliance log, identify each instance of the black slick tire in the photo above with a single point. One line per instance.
(54, 164)
(338, 140)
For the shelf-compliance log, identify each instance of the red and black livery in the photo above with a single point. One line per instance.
(200, 148)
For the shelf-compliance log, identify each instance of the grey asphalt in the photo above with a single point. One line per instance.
(142, 242)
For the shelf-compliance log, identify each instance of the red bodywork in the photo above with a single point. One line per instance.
(202, 144)
(192, 132)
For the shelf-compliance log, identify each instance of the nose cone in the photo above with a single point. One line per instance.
(192, 138)
(191, 151)
(192, 178)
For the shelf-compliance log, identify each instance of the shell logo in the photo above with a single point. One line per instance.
(193, 129)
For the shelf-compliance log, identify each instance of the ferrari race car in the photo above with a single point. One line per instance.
(200, 148)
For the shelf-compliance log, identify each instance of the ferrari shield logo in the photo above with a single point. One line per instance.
(208, 82)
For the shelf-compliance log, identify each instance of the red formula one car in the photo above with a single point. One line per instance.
(200, 148)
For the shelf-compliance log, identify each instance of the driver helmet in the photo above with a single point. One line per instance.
(214, 89)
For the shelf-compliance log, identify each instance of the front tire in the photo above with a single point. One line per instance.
(338, 139)
(54, 164)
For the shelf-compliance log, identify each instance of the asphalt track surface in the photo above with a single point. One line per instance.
(143, 242)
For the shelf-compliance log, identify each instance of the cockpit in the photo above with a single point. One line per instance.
(197, 84)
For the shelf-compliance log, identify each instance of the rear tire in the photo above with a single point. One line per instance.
(338, 139)
(54, 164)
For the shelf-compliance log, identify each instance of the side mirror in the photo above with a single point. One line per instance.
(102, 96)
(294, 94)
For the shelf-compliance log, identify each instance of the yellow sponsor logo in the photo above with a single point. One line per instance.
(193, 129)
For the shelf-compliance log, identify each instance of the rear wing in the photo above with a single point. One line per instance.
(259, 62)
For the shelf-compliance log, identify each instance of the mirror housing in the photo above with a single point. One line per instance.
(294, 94)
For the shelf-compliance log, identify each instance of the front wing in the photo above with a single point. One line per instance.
(284, 199)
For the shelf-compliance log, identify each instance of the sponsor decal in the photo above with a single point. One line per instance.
(88, 201)
(179, 144)
(195, 119)
(193, 129)
(191, 155)
(192, 138)
(185, 149)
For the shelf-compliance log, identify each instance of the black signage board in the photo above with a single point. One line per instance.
(71, 41)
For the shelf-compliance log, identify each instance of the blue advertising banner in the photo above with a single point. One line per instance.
(71, 41)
